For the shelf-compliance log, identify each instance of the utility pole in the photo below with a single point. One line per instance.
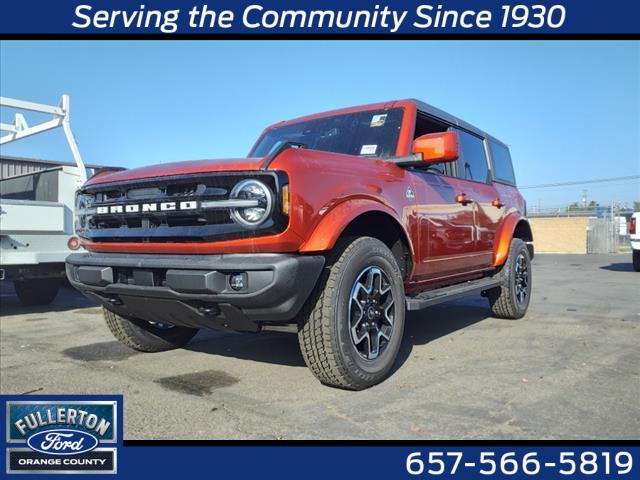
(584, 198)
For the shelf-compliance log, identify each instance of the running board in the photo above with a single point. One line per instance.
(452, 292)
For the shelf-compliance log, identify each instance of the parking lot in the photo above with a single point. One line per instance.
(570, 369)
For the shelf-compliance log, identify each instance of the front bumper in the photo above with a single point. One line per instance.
(194, 290)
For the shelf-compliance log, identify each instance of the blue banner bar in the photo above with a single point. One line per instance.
(386, 461)
(321, 17)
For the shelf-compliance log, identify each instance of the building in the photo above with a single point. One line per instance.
(13, 166)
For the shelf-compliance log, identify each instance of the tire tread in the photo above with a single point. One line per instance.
(137, 338)
(318, 341)
(502, 299)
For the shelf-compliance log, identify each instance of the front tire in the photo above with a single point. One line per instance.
(511, 300)
(351, 328)
(37, 291)
(145, 336)
(636, 260)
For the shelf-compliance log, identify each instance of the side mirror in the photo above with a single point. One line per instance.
(437, 147)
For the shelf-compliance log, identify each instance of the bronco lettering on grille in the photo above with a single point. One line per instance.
(146, 207)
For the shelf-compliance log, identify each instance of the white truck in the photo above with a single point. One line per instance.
(36, 210)
(634, 234)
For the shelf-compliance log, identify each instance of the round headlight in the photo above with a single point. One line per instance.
(259, 199)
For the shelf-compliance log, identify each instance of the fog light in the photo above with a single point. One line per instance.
(238, 281)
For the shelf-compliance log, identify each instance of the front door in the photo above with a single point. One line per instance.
(456, 217)
(447, 228)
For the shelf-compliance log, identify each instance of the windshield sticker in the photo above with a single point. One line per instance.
(378, 120)
(368, 149)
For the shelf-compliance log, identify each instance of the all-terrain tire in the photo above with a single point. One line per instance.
(37, 291)
(324, 330)
(144, 336)
(636, 260)
(505, 300)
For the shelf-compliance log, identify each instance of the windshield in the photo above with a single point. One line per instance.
(371, 133)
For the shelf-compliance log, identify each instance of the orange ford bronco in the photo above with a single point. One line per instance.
(333, 227)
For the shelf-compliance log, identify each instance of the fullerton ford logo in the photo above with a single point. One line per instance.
(146, 207)
(63, 434)
(62, 442)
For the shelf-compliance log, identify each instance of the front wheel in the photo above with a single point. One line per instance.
(351, 328)
(511, 300)
(636, 260)
(146, 336)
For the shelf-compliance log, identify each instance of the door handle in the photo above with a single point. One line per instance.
(462, 198)
(496, 202)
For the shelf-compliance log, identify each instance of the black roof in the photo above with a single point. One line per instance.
(447, 117)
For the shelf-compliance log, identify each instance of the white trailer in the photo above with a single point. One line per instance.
(634, 236)
(36, 210)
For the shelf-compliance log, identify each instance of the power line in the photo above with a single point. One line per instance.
(582, 182)
(592, 187)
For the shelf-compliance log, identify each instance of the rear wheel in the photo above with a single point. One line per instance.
(636, 260)
(511, 300)
(351, 328)
(37, 291)
(147, 336)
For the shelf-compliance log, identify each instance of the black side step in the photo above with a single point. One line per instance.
(452, 292)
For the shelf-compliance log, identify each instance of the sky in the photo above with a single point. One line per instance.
(569, 110)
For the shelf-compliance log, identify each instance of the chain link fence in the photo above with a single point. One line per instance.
(602, 236)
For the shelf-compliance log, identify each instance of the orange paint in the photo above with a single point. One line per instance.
(437, 147)
(503, 238)
(447, 235)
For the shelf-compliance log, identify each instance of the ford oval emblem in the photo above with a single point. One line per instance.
(62, 442)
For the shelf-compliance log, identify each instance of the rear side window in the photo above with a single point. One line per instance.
(502, 166)
(472, 164)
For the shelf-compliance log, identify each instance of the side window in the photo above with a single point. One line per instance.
(426, 125)
(472, 164)
(502, 166)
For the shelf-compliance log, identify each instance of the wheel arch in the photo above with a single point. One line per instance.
(514, 226)
(359, 218)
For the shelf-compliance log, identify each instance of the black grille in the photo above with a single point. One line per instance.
(177, 225)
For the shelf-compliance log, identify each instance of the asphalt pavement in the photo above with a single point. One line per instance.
(569, 370)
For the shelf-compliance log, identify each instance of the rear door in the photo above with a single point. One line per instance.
(504, 179)
(472, 170)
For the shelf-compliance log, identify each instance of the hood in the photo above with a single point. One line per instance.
(179, 168)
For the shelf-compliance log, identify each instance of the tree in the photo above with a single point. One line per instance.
(578, 207)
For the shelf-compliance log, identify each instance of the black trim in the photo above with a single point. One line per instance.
(451, 292)
(412, 160)
(171, 226)
(194, 290)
